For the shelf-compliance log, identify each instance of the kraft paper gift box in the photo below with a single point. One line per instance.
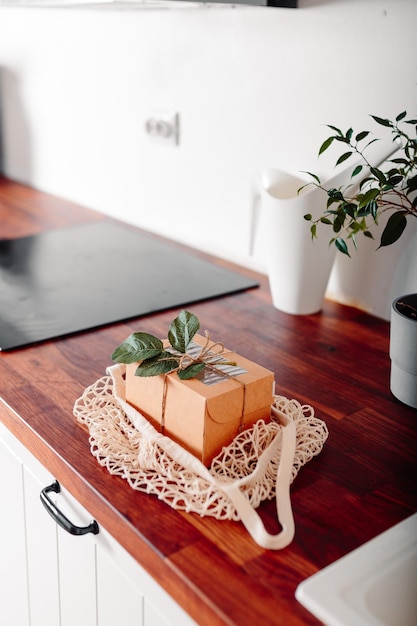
(205, 413)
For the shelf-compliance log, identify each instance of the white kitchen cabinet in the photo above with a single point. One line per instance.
(49, 577)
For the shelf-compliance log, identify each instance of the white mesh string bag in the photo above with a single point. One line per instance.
(259, 464)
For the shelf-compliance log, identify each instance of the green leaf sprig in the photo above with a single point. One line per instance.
(394, 189)
(156, 357)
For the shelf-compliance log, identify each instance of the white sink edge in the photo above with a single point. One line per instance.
(337, 594)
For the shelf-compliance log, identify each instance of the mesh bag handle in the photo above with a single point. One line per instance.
(248, 515)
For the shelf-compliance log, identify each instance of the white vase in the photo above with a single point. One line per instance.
(298, 268)
(372, 278)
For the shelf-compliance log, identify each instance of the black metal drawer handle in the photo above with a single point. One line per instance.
(59, 516)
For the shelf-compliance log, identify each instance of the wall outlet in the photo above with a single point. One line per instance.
(163, 127)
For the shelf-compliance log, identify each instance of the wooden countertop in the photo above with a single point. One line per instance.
(337, 361)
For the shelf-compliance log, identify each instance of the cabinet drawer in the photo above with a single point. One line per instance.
(54, 578)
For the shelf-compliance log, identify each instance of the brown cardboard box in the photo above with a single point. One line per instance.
(204, 417)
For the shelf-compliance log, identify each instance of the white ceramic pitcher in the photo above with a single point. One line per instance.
(298, 268)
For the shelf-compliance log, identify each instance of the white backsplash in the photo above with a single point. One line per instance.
(254, 88)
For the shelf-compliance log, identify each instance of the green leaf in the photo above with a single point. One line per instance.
(336, 130)
(394, 228)
(373, 207)
(355, 227)
(316, 178)
(394, 180)
(335, 194)
(349, 134)
(364, 182)
(325, 220)
(361, 135)
(371, 142)
(328, 142)
(137, 347)
(378, 174)
(341, 246)
(339, 222)
(401, 116)
(331, 201)
(350, 209)
(412, 184)
(191, 371)
(368, 234)
(368, 197)
(161, 364)
(356, 171)
(343, 157)
(308, 217)
(313, 231)
(182, 330)
(382, 121)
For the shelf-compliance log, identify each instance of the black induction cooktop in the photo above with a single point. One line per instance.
(79, 278)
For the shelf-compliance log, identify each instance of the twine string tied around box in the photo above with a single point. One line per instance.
(206, 355)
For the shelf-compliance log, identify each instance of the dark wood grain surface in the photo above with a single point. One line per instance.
(337, 361)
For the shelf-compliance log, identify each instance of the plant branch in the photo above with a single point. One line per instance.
(380, 191)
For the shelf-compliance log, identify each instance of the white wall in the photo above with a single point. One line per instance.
(254, 88)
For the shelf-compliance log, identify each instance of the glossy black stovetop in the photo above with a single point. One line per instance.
(79, 278)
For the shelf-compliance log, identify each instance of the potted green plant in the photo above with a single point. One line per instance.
(388, 191)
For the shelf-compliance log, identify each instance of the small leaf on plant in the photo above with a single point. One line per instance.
(394, 228)
(412, 183)
(380, 120)
(182, 330)
(395, 180)
(316, 178)
(373, 207)
(378, 174)
(343, 157)
(308, 217)
(339, 222)
(364, 182)
(362, 135)
(341, 246)
(357, 170)
(191, 371)
(350, 209)
(337, 130)
(335, 194)
(400, 161)
(371, 142)
(368, 197)
(137, 347)
(328, 142)
(161, 364)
